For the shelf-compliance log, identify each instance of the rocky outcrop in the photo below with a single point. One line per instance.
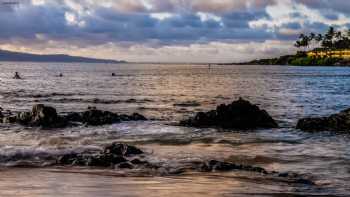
(335, 122)
(114, 155)
(97, 117)
(41, 115)
(240, 114)
(46, 116)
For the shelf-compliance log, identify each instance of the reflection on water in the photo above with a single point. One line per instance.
(168, 93)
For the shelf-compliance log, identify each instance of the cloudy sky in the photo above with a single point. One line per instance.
(166, 30)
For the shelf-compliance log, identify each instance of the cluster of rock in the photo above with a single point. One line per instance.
(335, 122)
(46, 116)
(114, 155)
(123, 156)
(240, 114)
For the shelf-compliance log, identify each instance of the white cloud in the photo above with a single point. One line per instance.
(162, 15)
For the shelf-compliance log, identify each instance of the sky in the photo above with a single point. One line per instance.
(166, 30)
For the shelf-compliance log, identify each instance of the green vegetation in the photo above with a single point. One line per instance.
(329, 49)
(331, 40)
(311, 61)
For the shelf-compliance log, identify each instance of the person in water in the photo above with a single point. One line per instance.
(17, 76)
(60, 75)
(113, 75)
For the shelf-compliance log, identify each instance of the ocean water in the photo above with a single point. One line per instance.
(167, 94)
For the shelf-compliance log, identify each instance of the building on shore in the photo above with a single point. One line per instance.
(340, 53)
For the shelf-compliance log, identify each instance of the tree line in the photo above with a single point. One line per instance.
(331, 40)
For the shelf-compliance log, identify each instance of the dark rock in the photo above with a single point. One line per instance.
(104, 160)
(9, 119)
(74, 117)
(214, 165)
(137, 117)
(138, 162)
(240, 114)
(125, 165)
(41, 115)
(304, 181)
(96, 117)
(122, 150)
(46, 116)
(188, 104)
(24, 117)
(335, 122)
(114, 154)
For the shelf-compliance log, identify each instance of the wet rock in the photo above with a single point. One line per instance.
(335, 122)
(122, 150)
(24, 117)
(104, 160)
(9, 119)
(125, 165)
(67, 159)
(137, 117)
(240, 114)
(138, 162)
(188, 104)
(214, 165)
(74, 117)
(46, 116)
(41, 115)
(97, 117)
(111, 155)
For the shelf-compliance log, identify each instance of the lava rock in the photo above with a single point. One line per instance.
(335, 122)
(41, 115)
(125, 165)
(9, 119)
(97, 117)
(47, 117)
(74, 117)
(137, 117)
(111, 155)
(240, 114)
(214, 165)
(104, 160)
(122, 150)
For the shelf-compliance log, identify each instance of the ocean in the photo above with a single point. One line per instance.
(166, 94)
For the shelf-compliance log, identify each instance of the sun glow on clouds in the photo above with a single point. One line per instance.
(288, 11)
(167, 30)
(161, 16)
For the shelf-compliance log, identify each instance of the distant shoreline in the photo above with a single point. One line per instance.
(10, 56)
(299, 59)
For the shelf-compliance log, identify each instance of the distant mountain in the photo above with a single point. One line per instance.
(10, 56)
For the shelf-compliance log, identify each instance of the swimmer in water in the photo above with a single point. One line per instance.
(113, 75)
(17, 76)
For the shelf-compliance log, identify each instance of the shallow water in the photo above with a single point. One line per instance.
(168, 93)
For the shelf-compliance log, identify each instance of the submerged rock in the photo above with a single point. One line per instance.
(240, 114)
(46, 116)
(335, 122)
